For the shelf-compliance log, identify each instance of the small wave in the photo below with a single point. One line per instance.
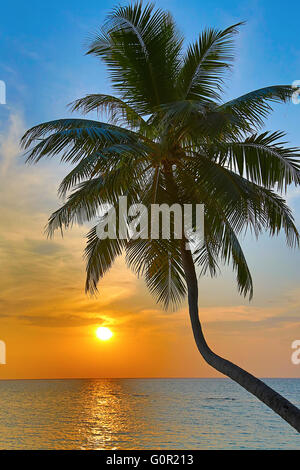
(220, 398)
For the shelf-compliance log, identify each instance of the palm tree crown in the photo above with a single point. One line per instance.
(170, 138)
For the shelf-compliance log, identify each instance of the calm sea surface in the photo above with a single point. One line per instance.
(141, 414)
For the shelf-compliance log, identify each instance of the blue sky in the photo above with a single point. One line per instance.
(42, 50)
(43, 64)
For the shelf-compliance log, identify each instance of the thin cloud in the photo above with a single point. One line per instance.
(60, 321)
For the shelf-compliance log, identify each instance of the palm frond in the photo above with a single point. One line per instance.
(82, 205)
(73, 139)
(111, 160)
(222, 245)
(264, 160)
(159, 261)
(100, 255)
(141, 47)
(117, 111)
(205, 62)
(254, 107)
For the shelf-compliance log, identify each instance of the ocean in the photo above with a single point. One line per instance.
(141, 414)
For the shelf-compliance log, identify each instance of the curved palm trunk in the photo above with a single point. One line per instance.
(267, 395)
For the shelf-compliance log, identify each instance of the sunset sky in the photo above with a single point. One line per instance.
(46, 320)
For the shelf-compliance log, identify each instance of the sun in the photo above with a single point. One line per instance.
(104, 333)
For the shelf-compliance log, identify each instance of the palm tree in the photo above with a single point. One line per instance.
(169, 138)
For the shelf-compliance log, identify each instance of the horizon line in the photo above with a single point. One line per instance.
(140, 378)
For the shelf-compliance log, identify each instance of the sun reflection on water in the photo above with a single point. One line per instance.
(110, 415)
(139, 414)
